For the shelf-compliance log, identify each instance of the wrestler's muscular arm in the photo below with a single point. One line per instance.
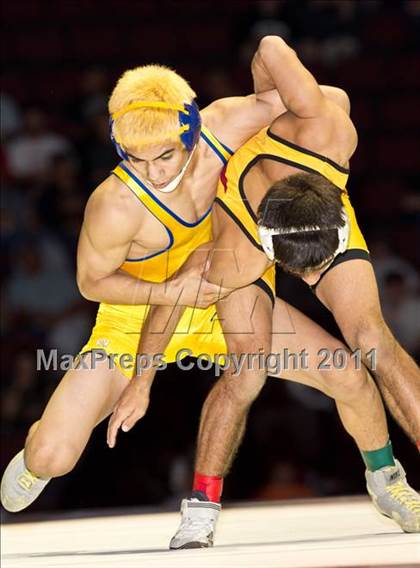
(235, 261)
(155, 336)
(315, 119)
(235, 119)
(107, 233)
(315, 115)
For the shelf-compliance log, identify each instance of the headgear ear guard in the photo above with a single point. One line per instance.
(189, 122)
(266, 235)
(120, 150)
(190, 117)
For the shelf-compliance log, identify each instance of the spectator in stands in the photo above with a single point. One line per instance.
(22, 395)
(11, 119)
(30, 152)
(98, 152)
(45, 301)
(386, 261)
(327, 31)
(266, 17)
(62, 202)
(401, 310)
(93, 96)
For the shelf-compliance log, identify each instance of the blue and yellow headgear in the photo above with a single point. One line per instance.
(189, 122)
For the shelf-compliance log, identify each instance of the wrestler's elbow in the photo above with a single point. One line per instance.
(86, 287)
(272, 45)
(338, 96)
(344, 100)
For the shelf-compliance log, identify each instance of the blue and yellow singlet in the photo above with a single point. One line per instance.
(118, 327)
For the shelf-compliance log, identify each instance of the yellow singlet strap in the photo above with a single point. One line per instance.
(153, 204)
(223, 151)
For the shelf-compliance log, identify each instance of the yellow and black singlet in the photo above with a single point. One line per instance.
(266, 145)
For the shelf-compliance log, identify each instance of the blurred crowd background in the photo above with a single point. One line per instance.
(59, 66)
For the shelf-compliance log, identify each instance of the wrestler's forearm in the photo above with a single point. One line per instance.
(234, 268)
(225, 274)
(159, 327)
(155, 336)
(134, 401)
(276, 66)
(121, 288)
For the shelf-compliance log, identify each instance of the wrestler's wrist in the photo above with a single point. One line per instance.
(142, 382)
(161, 294)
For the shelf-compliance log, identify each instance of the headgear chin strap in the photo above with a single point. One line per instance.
(189, 122)
(266, 235)
(172, 185)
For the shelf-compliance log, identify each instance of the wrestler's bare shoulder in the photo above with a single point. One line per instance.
(235, 119)
(229, 239)
(111, 201)
(331, 134)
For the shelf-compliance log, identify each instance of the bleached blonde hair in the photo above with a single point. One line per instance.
(141, 127)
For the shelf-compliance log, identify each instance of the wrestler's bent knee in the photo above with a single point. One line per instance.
(50, 458)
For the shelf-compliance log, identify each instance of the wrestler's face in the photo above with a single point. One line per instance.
(159, 164)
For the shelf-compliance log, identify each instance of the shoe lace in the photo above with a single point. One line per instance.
(26, 480)
(405, 495)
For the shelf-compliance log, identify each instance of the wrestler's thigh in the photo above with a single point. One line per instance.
(246, 316)
(83, 398)
(350, 292)
(308, 354)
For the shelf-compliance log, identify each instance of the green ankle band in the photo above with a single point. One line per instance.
(376, 459)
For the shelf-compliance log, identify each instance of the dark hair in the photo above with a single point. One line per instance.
(303, 200)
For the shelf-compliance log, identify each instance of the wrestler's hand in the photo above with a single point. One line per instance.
(194, 290)
(131, 406)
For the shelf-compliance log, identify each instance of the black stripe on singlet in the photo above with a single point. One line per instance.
(308, 152)
(351, 254)
(266, 157)
(260, 282)
(239, 223)
(266, 288)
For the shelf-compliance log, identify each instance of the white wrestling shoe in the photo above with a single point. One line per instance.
(198, 524)
(393, 497)
(19, 487)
